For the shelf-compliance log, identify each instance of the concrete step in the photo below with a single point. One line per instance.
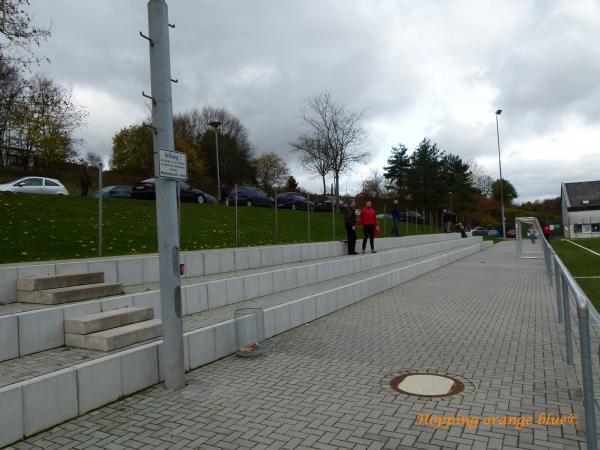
(70, 294)
(92, 323)
(31, 284)
(114, 338)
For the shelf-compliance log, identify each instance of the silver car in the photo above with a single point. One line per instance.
(35, 185)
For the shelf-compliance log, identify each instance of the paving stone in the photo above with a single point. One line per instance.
(488, 319)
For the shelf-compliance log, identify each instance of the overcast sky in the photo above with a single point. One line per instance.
(418, 68)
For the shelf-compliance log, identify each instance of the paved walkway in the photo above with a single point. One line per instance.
(488, 319)
(40, 363)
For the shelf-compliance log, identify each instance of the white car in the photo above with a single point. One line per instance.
(35, 185)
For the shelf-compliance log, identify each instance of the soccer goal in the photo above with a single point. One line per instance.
(528, 229)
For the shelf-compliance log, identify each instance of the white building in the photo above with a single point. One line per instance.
(581, 209)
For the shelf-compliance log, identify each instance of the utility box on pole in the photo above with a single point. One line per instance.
(171, 354)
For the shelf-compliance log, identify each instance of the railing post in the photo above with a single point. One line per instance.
(558, 291)
(567, 319)
(586, 369)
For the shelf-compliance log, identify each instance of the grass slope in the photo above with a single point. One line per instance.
(39, 227)
(582, 263)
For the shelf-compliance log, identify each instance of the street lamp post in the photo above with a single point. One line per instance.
(498, 112)
(216, 124)
(451, 194)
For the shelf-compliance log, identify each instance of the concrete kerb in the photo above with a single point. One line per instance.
(132, 270)
(53, 398)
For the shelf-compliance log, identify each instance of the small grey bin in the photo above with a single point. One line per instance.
(250, 332)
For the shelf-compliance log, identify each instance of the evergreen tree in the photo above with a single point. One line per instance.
(395, 173)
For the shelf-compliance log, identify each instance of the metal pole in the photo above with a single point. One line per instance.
(407, 222)
(218, 172)
(501, 181)
(276, 224)
(308, 216)
(171, 354)
(100, 218)
(236, 215)
(586, 369)
(332, 215)
(558, 291)
(567, 319)
(430, 223)
(384, 219)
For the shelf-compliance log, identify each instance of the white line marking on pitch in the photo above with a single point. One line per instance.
(585, 248)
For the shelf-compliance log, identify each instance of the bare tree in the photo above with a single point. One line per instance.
(12, 86)
(18, 34)
(313, 156)
(373, 187)
(481, 180)
(340, 131)
(93, 159)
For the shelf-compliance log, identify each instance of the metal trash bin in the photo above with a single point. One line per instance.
(250, 332)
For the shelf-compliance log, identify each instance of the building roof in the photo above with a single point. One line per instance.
(584, 195)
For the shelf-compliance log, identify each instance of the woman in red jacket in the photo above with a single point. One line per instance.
(368, 219)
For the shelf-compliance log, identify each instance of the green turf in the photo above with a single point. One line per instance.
(582, 263)
(39, 227)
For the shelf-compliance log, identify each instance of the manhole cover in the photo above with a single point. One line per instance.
(426, 385)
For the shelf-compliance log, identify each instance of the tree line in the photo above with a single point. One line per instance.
(38, 116)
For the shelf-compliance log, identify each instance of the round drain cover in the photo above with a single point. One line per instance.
(426, 385)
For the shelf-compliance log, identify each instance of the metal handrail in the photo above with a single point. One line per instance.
(566, 284)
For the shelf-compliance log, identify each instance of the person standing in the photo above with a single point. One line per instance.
(368, 219)
(85, 179)
(446, 220)
(350, 222)
(396, 219)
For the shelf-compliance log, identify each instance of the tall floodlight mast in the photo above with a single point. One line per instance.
(171, 355)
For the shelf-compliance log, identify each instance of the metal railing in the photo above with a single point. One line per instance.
(565, 286)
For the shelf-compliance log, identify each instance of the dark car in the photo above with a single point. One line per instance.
(116, 192)
(511, 234)
(479, 231)
(325, 202)
(250, 196)
(146, 190)
(411, 217)
(293, 200)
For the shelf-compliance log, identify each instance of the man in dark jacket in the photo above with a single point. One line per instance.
(396, 219)
(350, 222)
(85, 180)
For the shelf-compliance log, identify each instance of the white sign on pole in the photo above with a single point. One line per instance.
(172, 165)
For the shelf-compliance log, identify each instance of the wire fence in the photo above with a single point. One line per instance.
(87, 218)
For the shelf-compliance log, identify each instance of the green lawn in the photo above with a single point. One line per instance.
(38, 227)
(582, 263)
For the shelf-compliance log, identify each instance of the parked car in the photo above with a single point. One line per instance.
(250, 196)
(35, 185)
(146, 190)
(325, 202)
(479, 231)
(116, 192)
(293, 200)
(411, 217)
(511, 234)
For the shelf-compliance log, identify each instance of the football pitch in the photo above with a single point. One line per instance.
(582, 258)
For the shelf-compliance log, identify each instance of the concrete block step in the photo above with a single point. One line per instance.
(70, 294)
(114, 338)
(92, 323)
(30, 284)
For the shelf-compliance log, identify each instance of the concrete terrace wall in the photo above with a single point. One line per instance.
(34, 331)
(134, 270)
(31, 406)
